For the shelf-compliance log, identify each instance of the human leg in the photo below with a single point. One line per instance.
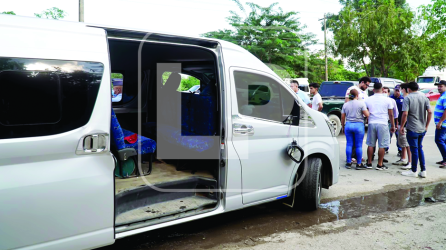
(440, 140)
(349, 135)
(412, 139)
(359, 137)
(383, 142)
(421, 152)
(371, 142)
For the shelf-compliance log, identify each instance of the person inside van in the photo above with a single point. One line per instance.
(352, 121)
(117, 90)
(295, 86)
(316, 104)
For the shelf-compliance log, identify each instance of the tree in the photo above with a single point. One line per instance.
(53, 13)
(381, 35)
(272, 35)
(8, 12)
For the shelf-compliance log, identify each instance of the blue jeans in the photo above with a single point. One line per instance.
(354, 132)
(415, 141)
(440, 140)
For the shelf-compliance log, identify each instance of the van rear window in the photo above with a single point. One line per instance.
(41, 97)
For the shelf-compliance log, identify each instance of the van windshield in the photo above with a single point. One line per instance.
(426, 80)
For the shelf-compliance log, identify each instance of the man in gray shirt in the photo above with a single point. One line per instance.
(417, 113)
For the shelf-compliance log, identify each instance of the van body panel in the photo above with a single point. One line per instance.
(52, 197)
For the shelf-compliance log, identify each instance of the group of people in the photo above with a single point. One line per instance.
(316, 102)
(406, 114)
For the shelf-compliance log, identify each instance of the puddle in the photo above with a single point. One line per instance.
(262, 220)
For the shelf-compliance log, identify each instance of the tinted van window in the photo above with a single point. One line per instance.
(44, 97)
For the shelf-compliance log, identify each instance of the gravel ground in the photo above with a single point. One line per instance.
(415, 228)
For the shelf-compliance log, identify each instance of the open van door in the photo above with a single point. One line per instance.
(56, 171)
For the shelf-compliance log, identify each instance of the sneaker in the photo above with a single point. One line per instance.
(385, 161)
(348, 166)
(422, 174)
(409, 173)
(361, 167)
(380, 168)
(400, 162)
(368, 166)
(407, 166)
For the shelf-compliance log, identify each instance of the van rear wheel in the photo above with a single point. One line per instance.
(308, 192)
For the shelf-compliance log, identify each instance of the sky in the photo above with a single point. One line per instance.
(188, 17)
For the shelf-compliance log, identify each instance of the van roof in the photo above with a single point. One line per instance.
(131, 33)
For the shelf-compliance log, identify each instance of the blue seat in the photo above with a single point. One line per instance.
(125, 150)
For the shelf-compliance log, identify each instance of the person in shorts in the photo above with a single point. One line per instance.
(381, 111)
(402, 139)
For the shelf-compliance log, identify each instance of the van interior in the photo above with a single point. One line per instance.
(167, 152)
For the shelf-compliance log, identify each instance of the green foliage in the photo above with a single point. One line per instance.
(385, 34)
(117, 75)
(8, 13)
(187, 83)
(277, 39)
(52, 13)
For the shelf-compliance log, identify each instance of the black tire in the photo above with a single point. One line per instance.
(308, 192)
(336, 121)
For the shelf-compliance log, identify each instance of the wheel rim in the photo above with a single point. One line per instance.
(335, 125)
(319, 189)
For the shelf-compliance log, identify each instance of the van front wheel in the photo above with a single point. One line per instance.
(336, 122)
(308, 192)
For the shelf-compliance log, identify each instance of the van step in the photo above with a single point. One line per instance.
(164, 209)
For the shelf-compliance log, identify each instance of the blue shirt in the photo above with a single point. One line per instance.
(439, 109)
(303, 96)
(399, 104)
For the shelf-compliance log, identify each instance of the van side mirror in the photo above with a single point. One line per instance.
(295, 152)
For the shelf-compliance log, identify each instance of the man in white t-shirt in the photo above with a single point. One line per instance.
(316, 103)
(361, 88)
(381, 111)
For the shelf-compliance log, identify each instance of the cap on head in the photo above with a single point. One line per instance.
(377, 85)
(442, 82)
(397, 87)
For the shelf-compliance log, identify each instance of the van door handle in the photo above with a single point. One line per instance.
(242, 129)
(91, 144)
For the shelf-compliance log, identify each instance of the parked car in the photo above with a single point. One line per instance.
(431, 93)
(386, 82)
(73, 175)
(194, 89)
(333, 97)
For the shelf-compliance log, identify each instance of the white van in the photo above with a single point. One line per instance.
(78, 171)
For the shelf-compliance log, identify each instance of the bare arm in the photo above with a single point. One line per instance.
(403, 122)
(343, 121)
(320, 106)
(442, 119)
(392, 121)
(366, 113)
(346, 99)
(429, 117)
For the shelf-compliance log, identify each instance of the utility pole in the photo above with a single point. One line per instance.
(325, 45)
(81, 10)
